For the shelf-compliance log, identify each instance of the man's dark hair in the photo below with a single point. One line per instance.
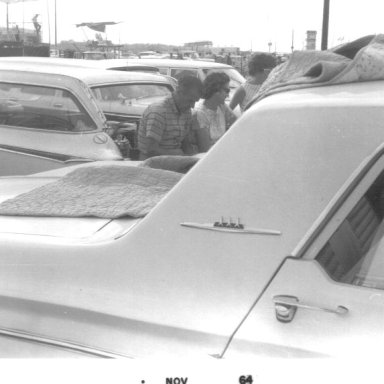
(213, 83)
(187, 83)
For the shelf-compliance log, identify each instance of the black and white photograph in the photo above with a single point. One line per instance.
(191, 192)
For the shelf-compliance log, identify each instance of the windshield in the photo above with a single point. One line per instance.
(128, 92)
(236, 78)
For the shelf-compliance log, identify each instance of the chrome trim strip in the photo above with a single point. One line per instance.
(43, 154)
(59, 343)
(52, 131)
(212, 227)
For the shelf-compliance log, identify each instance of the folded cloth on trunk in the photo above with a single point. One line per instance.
(180, 164)
(307, 69)
(101, 191)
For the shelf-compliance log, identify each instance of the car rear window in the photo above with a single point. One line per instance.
(48, 108)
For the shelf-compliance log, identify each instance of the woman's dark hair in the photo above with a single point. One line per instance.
(213, 83)
(260, 61)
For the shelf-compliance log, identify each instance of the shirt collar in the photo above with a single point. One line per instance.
(174, 105)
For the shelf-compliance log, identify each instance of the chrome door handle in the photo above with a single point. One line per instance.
(286, 306)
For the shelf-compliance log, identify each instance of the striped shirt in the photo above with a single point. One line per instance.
(250, 92)
(163, 122)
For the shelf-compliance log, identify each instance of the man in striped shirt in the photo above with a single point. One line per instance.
(166, 125)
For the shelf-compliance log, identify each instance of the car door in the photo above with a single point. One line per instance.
(329, 298)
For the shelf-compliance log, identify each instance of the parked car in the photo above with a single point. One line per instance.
(48, 121)
(280, 255)
(176, 68)
(123, 96)
(111, 64)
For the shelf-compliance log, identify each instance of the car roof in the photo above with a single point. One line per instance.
(101, 64)
(179, 63)
(59, 80)
(359, 94)
(91, 76)
(116, 63)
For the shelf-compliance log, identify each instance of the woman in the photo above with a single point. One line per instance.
(257, 75)
(212, 116)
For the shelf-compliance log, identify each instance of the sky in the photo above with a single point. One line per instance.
(247, 24)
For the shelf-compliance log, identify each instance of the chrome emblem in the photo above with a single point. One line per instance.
(100, 138)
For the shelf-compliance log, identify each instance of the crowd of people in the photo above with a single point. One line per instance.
(196, 115)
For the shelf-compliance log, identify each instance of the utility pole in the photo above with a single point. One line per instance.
(49, 25)
(7, 22)
(55, 27)
(324, 35)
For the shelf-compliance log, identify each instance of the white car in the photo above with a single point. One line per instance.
(122, 96)
(176, 68)
(270, 246)
(109, 64)
(49, 121)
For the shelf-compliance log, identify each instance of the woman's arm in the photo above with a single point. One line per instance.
(200, 128)
(237, 98)
(203, 139)
(230, 117)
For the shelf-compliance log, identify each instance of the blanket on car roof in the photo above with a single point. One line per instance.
(307, 69)
(181, 164)
(101, 191)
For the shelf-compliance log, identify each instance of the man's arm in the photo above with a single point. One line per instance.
(186, 147)
(153, 149)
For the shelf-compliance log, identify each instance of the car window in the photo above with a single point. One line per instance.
(40, 107)
(177, 73)
(355, 252)
(163, 71)
(123, 92)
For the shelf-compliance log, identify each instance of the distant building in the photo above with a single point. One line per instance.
(91, 49)
(226, 50)
(311, 40)
(16, 41)
(16, 34)
(201, 47)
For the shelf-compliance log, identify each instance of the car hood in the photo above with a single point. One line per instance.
(59, 229)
